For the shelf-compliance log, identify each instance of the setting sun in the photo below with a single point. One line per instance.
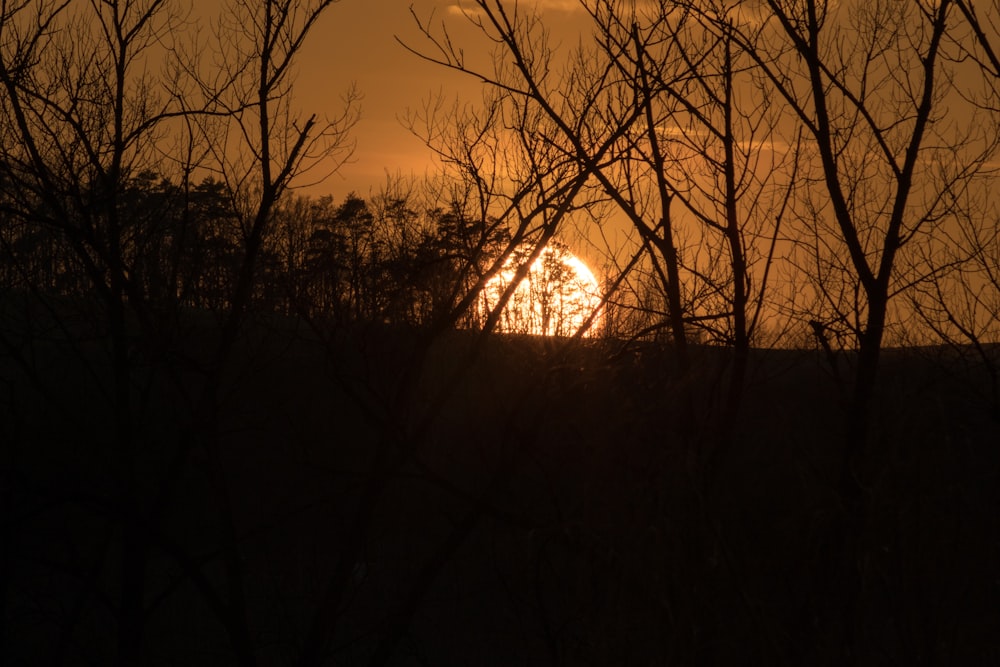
(556, 298)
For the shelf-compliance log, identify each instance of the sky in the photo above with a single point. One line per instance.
(356, 42)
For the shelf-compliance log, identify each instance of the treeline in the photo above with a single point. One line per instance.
(389, 259)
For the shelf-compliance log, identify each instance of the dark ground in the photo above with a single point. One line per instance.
(550, 511)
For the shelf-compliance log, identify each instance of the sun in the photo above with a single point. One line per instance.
(556, 298)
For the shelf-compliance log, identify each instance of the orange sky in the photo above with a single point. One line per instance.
(356, 42)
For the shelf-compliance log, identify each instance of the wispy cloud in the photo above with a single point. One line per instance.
(566, 6)
(559, 5)
(460, 8)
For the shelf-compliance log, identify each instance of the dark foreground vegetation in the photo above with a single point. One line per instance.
(243, 426)
(553, 508)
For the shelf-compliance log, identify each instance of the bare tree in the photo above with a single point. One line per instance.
(870, 85)
(518, 194)
(79, 120)
(711, 143)
(894, 144)
(83, 117)
(958, 303)
(957, 298)
(260, 142)
(879, 141)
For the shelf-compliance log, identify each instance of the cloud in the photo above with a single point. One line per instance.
(465, 7)
(460, 10)
(559, 5)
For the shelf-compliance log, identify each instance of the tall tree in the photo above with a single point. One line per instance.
(875, 88)
(86, 120)
(260, 142)
(664, 110)
(80, 119)
(710, 155)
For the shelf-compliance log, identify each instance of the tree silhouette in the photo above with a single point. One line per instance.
(126, 241)
(249, 425)
(669, 109)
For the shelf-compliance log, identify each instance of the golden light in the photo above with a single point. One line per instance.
(556, 297)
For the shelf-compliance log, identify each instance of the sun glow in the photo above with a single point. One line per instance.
(557, 297)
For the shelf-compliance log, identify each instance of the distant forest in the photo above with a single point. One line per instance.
(354, 262)
(244, 425)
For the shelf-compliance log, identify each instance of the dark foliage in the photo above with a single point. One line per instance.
(548, 514)
(244, 427)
